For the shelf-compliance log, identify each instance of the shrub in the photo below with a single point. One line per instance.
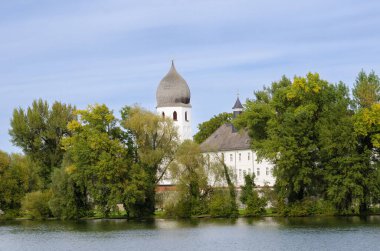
(220, 204)
(35, 204)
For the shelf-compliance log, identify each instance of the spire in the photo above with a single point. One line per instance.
(238, 104)
(237, 108)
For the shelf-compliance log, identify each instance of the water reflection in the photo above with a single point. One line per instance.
(269, 233)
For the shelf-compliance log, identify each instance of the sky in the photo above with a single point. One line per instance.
(116, 52)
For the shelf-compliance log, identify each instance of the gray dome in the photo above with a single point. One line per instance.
(173, 90)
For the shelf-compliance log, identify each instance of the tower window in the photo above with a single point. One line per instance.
(175, 116)
(163, 114)
(258, 172)
(186, 117)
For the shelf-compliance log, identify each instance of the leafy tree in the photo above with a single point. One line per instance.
(209, 127)
(155, 141)
(254, 204)
(35, 204)
(366, 89)
(287, 132)
(68, 199)
(99, 157)
(38, 131)
(17, 176)
(188, 172)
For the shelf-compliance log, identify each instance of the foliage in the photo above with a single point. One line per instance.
(188, 172)
(35, 204)
(207, 128)
(220, 204)
(18, 176)
(38, 131)
(98, 158)
(366, 90)
(318, 145)
(255, 205)
(68, 199)
(155, 141)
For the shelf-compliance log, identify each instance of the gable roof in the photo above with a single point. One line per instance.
(227, 138)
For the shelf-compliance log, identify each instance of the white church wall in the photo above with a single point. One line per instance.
(242, 162)
(183, 122)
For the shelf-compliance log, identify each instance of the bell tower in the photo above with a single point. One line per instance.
(173, 101)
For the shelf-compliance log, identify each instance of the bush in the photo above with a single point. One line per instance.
(307, 207)
(220, 204)
(36, 204)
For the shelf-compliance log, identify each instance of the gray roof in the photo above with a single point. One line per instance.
(227, 138)
(173, 90)
(237, 104)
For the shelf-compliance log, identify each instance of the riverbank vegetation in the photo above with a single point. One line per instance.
(323, 140)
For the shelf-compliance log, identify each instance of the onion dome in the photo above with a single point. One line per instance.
(173, 90)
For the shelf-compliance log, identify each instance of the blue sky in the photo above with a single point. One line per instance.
(116, 51)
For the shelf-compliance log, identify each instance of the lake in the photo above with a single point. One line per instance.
(268, 233)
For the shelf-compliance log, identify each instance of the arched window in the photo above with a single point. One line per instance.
(163, 114)
(186, 117)
(175, 116)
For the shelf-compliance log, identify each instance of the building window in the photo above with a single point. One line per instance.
(249, 170)
(163, 114)
(175, 116)
(186, 117)
(239, 156)
(239, 173)
(258, 172)
(231, 158)
(244, 172)
(267, 171)
(249, 156)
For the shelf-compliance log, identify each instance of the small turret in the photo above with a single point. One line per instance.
(237, 108)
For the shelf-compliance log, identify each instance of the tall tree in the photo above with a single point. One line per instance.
(366, 89)
(208, 127)
(99, 160)
(155, 141)
(38, 131)
(188, 173)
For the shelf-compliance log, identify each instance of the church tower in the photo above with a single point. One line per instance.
(237, 108)
(173, 101)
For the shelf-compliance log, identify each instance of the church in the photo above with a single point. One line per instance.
(233, 146)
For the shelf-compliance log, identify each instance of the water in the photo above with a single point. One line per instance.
(314, 233)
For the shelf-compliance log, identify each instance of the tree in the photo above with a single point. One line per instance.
(188, 173)
(284, 122)
(18, 176)
(38, 131)
(209, 127)
(366, 89)
(98, 159)
(155, 141)
(366, 94)
(254, 204)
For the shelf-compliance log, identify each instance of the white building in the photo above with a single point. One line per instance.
(173, 100)
(234, 148)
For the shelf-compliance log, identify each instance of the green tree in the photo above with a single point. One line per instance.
(250, 198)
(35, 204)
(98, 157)
(189, 175)
(284, 122)
(38, 131)
(155, 141)
(209, 127)
(366, 89)
(17, 176)
(68, 199)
